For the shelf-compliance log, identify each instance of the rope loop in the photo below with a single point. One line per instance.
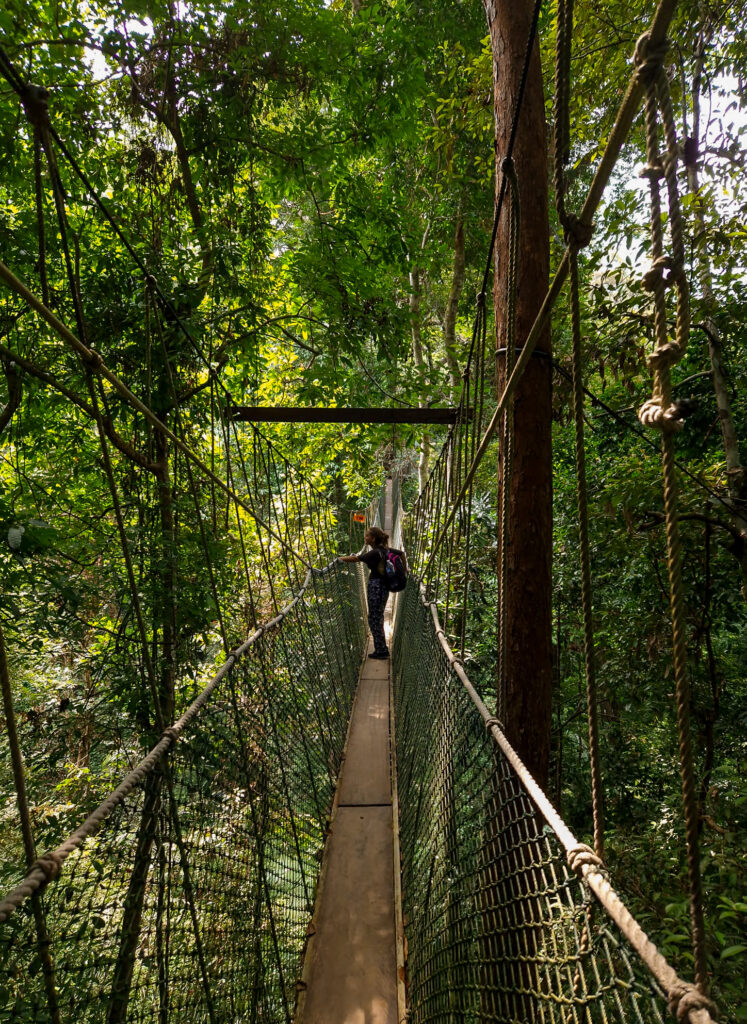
(50, 864)
(35, 100)
(493, 721)
(684, 998)
(580, 855)
(649, 59)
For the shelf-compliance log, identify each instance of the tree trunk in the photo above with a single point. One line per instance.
(452, 306)
(417, 356)
(736, 474)
(513, 849)
(528, 695)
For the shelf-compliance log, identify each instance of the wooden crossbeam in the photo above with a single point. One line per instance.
(293, 414)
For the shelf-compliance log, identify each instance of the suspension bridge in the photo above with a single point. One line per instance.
(311, 837)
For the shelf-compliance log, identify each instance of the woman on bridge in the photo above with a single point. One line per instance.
(378, 591)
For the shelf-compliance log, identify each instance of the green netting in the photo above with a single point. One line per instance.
(498, 927)
(192, 901)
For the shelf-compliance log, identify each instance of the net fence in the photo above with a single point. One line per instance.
(192, 900)
(499, 927)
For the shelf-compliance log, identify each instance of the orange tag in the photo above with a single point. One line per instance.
(359, 517)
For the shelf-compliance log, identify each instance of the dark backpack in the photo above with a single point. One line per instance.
(392, 570)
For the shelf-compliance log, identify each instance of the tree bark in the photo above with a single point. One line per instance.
(452, 306)
(528, 696)
(513, 850)
(417, 356)
(736, 474)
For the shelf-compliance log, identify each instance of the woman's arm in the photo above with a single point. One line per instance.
(348, 558)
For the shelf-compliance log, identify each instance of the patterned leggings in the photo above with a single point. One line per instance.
(378, 596)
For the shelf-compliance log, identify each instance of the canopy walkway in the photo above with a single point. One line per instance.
(191, 890)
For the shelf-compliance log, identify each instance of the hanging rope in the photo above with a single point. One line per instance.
(575, 237)
(660, 412)
(507, 434)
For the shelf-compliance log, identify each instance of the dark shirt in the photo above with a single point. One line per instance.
(374, 557)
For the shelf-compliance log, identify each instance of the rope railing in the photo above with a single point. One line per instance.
(217, 833)
(497, 891)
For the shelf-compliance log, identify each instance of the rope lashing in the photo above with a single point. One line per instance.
(50, 864)
(684, 1000)
(577, 232)
(581, 856)
(648, 57)
(493, 721)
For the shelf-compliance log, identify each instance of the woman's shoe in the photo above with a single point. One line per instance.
(379, 657)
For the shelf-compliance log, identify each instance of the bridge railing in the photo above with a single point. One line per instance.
(508, 918)
(187, 894)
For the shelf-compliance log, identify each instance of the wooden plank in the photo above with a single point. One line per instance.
(290, 414)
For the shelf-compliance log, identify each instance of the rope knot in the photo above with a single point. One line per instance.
(576, 232)
(654, 171)
(172, 733)
(493, 721)
(50, 865)
(35, 100)
(580, 855)
(684, 998)
(668, 419)
(665, 356)
(649, 58)
(657, 274)
(94, 360)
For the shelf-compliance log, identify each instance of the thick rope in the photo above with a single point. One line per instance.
(597, 790)
(576, 237)
(661, 413)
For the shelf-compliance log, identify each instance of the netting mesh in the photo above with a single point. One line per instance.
(192, 901)
(498, 927)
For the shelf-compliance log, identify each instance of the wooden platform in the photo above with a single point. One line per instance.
(351, 973)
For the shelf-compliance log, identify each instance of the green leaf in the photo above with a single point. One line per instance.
(732, 951)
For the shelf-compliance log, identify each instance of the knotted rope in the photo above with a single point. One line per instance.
(666, 416)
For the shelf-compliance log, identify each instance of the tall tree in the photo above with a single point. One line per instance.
(528, 676)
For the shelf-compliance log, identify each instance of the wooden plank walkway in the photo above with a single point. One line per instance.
(350, 970)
